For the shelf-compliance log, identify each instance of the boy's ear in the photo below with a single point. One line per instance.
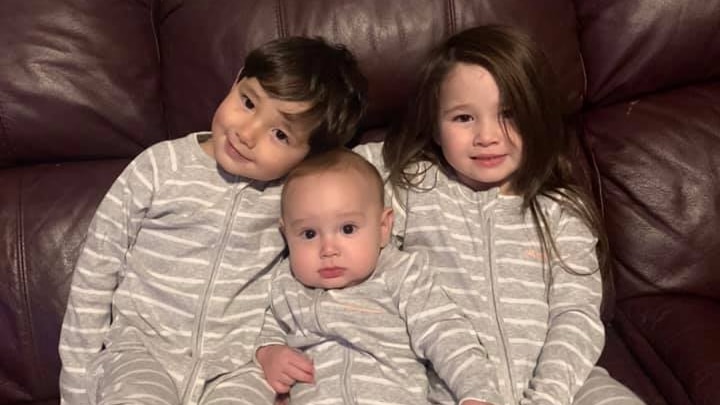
(386, 223)
(281, 226)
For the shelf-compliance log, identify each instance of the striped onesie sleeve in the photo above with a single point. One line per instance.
(575, 335)
(440, 333)
(98, 272)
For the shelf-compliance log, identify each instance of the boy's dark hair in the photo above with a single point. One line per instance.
(311, 69)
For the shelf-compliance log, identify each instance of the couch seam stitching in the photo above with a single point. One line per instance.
(280, 19)
(450, 20)
(23, 288)
(4, 137)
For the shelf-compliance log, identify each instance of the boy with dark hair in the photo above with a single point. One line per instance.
(169, 292)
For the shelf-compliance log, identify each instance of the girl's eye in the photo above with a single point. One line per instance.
(309, 234)
(281, 136)
(349, 229)
(463, 118)
(247, 102)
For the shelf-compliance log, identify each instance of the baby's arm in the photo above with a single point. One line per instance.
(439, 332)
(575, 335)
(282, 365)
(97, 274)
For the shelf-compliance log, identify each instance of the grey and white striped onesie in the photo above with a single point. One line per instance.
(172, 284)
(545, 340)
(369, 341)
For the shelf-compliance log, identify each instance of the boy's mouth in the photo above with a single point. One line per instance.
(234, 153)
(331, 272)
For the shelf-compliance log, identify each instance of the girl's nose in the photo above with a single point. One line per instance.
(488, 133)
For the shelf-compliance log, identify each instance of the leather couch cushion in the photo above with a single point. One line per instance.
(659, 173)
(675, 339)
(640, 46)
(79, 81)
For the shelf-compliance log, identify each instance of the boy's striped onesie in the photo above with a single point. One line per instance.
(172, 284)
(370, 342)
(544, 338)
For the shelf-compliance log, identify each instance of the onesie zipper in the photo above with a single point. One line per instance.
(494, 299)
(346, 377)
(198, 330)
(319, 292)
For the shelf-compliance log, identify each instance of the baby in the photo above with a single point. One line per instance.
(368, 315)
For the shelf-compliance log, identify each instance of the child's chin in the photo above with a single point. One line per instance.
(334, 284)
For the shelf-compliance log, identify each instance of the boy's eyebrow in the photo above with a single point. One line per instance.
(287, 118)
(244, 88)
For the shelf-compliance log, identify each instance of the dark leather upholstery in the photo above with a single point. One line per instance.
(85, 85)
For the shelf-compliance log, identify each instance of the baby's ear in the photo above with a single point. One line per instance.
(386, 224)
(281, 226)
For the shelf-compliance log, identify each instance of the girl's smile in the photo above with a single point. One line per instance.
(489, 161)
(477, 138)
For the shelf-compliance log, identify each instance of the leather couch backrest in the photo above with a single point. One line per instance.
(652, 122)
(203, 44)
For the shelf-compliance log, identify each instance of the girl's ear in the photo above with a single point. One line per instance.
(436, 134)
(386, 223)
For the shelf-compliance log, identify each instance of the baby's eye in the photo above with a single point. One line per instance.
(309, 234)
(281, 136)
(349, 229)
(247, 103)
(463, 118)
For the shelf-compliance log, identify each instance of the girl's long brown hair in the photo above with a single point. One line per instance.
(527, 88)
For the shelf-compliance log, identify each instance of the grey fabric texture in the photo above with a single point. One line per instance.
(176, 264)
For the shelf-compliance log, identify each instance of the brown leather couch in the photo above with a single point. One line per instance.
(87, 84)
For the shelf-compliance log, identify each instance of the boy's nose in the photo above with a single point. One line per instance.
(328, 247)
(248, 134)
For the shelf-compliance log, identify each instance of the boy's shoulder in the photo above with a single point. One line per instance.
(174, 154)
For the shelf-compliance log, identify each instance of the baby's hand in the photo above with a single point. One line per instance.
(283, 367)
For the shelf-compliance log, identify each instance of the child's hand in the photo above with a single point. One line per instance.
(283, 367)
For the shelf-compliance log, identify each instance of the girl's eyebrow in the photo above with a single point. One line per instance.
(454, 107)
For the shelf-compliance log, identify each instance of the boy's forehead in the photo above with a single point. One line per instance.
(289, 108)
(292, 113)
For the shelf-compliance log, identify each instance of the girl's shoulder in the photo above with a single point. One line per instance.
(563, 208)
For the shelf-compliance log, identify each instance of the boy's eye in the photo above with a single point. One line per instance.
(247, 102)
(463, 118)
(309, 234)
(281, 136)
(349, 229)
